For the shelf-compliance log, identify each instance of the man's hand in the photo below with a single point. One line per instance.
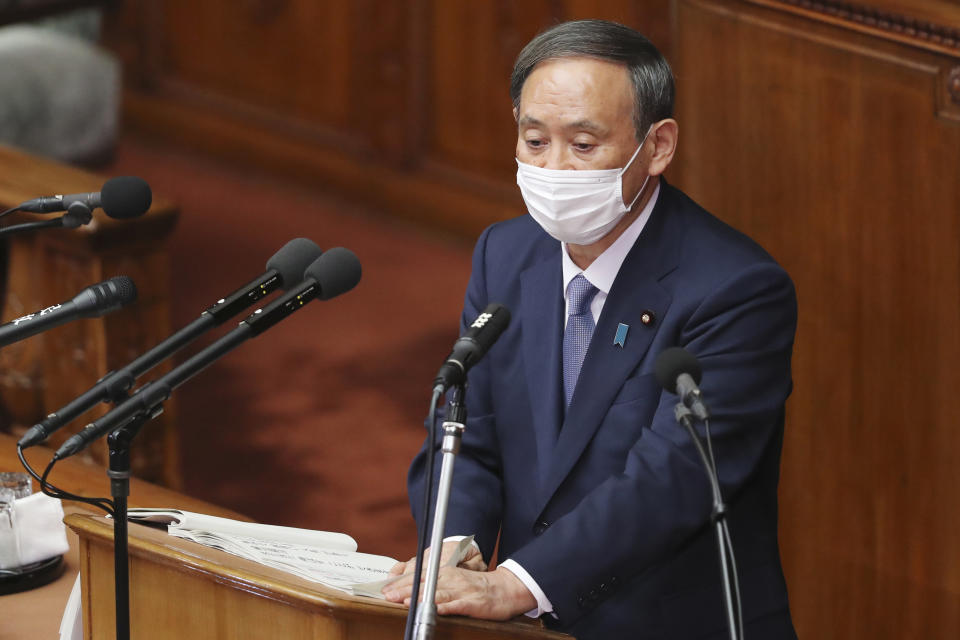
(489, 595)
(473, 560)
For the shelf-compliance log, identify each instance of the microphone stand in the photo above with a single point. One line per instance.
(132, 418)
(119, 473)
(728, 567)
(426, 620)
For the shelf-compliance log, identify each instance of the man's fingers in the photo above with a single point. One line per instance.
(473, 560)
(474, 563)
(402, 588)
(453, 608)
(408, 566)
(398, 591)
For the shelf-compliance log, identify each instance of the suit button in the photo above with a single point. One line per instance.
(540, 527)
(580, 601)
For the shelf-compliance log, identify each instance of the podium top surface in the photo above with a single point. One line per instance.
(156, 547)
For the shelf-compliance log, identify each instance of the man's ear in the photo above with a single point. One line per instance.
(515, 114)
(664, 137)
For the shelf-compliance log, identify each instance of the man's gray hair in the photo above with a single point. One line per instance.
(649, 72)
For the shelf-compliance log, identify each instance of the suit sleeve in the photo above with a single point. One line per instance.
(742, 333)
(476, 501)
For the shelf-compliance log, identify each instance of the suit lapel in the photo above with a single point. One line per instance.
(542, 336)
(635, 290)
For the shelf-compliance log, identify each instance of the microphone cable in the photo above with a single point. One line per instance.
(28, 226)
(53, 491)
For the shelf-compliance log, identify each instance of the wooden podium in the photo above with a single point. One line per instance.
(180, 589)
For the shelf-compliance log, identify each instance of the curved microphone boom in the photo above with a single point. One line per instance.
(333, 273)
(679, 372)
(284, 270)
(472, 345)
(94, 301)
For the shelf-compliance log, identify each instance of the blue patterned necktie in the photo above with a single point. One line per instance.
(579, 330)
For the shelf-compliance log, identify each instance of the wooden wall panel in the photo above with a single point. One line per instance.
(402, 104)
(838, 152)
(291, 57)
(470, 125)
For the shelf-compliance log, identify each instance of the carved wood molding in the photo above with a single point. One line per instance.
(942, 37)
(953, 84)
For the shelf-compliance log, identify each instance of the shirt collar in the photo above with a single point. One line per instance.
(603, 271)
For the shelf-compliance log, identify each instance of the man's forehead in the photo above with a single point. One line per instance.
(584, 88)
(582, 69)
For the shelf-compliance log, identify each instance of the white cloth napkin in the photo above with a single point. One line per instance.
(40, 529)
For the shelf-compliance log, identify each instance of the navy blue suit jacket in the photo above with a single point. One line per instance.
(606, 504)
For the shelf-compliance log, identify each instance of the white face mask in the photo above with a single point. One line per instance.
(576, 206)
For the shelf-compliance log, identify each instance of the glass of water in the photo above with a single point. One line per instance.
(9, 545)
(13, 486)
(18, 482)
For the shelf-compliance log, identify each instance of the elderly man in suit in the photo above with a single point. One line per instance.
(572, 458)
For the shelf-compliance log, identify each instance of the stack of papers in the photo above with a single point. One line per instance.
(330, 559)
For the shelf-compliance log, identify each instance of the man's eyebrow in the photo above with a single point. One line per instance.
(584, 125)
(587, 125)
(528, 121)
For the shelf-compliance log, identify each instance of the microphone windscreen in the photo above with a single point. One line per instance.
(337, 271)
(293, 259)
(125, 197)
(123, 289)
(671, 363)
(104, 297)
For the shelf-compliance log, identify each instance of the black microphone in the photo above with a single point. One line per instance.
(679, 372)
(335, 272)
(473, 345)
(93, 302)
(284, 269)
(123, 197)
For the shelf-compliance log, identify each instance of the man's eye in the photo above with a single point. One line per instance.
(582, 146)
(535, 144)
